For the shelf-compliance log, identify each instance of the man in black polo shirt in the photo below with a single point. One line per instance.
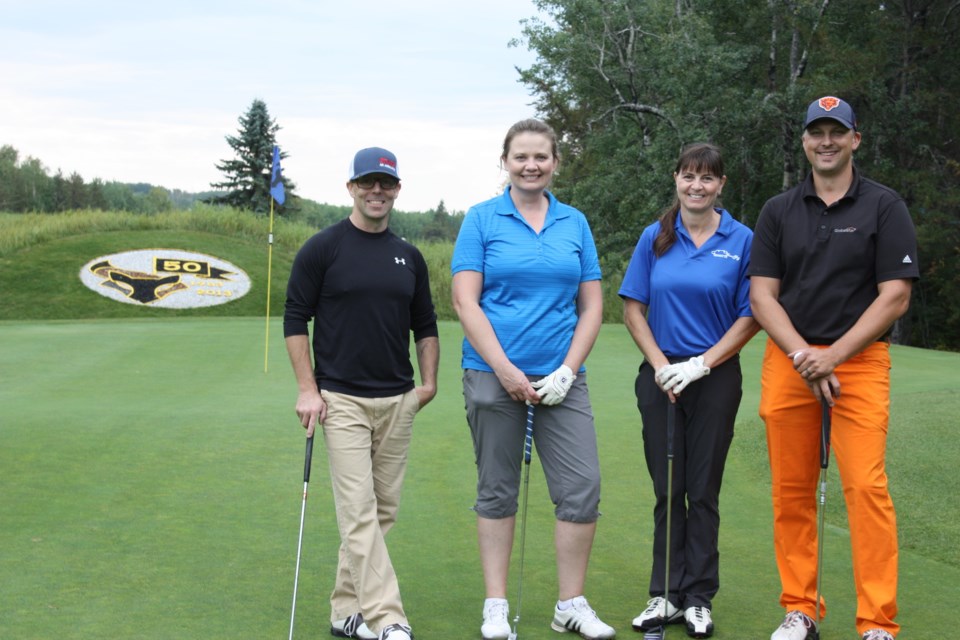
(832, 266)
(366, 291)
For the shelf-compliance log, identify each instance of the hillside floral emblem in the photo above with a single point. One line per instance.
(168, 278)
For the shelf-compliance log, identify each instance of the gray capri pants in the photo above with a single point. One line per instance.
(564, 438)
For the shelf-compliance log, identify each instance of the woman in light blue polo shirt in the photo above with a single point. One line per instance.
(526, 286)
(687, 305)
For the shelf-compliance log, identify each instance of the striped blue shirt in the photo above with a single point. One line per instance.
(530, 280)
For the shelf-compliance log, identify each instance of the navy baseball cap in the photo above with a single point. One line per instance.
(373, 160)
(832, 108)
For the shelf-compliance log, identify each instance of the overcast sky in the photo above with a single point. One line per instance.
(146, 91)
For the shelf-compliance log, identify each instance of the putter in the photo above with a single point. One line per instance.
(527, 451)
(824, 463)
(303, 510)
(659, 633)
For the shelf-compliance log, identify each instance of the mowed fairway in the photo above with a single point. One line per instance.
(151, 476)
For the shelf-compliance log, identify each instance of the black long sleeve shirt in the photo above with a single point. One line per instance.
(366, 293)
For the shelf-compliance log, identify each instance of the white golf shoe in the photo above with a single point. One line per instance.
(352, 627)
(496, 625)
(580, 618)
(699, 622)
(796, 626)
(396, 632)
(653, 616)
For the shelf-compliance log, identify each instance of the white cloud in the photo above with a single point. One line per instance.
(437, 160)
(136, 93)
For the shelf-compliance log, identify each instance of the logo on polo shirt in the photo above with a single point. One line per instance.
(723, 253)
(907, 260)
(846, 230)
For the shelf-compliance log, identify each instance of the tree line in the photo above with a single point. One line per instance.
(27, 186)
(627, 83)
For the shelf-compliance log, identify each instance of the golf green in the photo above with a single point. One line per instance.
(151, 477)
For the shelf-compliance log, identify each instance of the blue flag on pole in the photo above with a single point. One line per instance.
(276, 182)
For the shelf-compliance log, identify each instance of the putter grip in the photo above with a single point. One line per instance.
(671, 426)
(528, 437)
(825, 419)
(307, 458)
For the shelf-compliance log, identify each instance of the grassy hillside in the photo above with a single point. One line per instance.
(41, 257)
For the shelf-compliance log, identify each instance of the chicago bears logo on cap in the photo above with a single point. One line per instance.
(831, 108)
(828, 103)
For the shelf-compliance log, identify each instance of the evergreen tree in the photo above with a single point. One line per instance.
(76, 192)
(442, 227)
(247, 176)
(95, 196)
(9, 175)
(58, 197)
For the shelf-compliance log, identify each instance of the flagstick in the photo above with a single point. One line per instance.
(266, 342)
(276, 195)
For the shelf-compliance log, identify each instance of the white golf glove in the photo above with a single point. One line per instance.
(676, 377)
(553, 389)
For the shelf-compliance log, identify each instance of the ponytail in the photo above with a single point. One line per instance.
(668, 232)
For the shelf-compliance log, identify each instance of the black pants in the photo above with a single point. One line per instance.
(706, 412)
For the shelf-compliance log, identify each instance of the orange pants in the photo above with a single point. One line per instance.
(858, 441)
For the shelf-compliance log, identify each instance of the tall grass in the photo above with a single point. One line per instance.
(19, 231)
(438, 256)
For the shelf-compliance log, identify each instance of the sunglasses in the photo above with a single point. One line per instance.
(386, 182)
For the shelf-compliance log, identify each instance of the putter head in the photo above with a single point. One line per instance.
(654, 634)
(512, 636)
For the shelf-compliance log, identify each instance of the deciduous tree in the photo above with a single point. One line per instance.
(627, 83)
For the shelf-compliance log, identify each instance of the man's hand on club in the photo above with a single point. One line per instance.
(553, 388)
(676, 377)
(311, 409)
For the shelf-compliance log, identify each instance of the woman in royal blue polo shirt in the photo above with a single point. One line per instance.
(526, 286)
(687, 306)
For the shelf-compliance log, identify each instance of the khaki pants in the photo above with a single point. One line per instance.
(858, 438)
(367, 441)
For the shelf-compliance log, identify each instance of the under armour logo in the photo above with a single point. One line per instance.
(400, 260)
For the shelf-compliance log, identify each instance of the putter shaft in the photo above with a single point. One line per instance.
(303, 510)
(825, 425)
(527, 455)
